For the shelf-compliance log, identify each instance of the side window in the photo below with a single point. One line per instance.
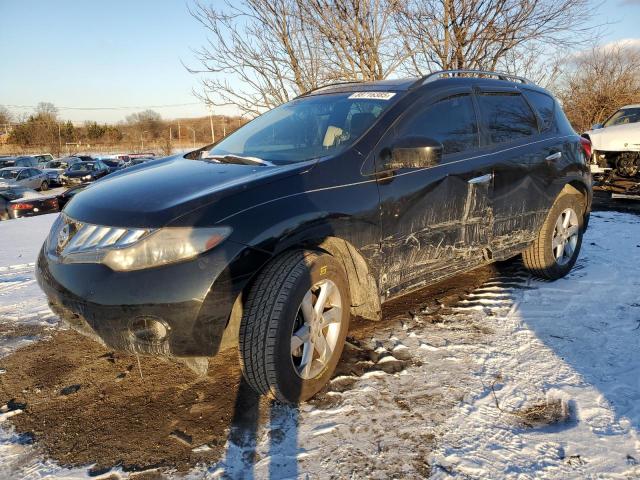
(545, 106)
(506, 116)
(22, 175)
(451, 121)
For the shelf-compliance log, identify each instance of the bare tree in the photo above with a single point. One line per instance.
(598, 82)
(480, 34)
(5, 116)
(359, 40)
(260, 53)
(46, 111)
(146, 122)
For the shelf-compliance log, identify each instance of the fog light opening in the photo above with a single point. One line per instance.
(150, 330)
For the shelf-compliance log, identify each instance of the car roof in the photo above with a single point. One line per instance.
(15, 168)
(633, 105)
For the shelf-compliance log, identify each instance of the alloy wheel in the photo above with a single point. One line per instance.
(565, 236)
(316, 329)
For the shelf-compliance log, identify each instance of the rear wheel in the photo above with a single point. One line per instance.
(555, 251)
(294, 325)
(44, 186)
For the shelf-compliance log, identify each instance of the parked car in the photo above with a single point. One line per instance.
(43, 158)
(11, 193)
(25, 176)
(616, 143)
(84, 172)
(55, 168)
(138, 161)
(68, 194)
(22, 161)
(113, 164)
(30, 207)
(317, 210)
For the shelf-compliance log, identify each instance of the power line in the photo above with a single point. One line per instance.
(172, 105)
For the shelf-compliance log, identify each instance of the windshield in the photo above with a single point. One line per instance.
(624, 116)
(7, 162)
(9, 174)
(55, 164)
(307, 128)
(76, 167)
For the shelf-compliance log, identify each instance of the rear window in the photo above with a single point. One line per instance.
(507, 117)
(545, 106)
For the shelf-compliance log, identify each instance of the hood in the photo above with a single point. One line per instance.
(619, 138)
(52, 170)
(153, 194)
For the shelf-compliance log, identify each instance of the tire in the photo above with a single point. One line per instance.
(541, 258)
(272, 359)
(44, 186)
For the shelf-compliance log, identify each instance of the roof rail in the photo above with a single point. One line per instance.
(472, 73)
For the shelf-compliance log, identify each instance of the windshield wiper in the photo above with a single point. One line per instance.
(230, 158)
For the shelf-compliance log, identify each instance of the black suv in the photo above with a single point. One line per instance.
(315, 211)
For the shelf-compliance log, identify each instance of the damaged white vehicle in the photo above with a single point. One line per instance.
(616, 143)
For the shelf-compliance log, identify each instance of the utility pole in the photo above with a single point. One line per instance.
(179, 137)
(213, 135)
(170, 135)
(194, 136)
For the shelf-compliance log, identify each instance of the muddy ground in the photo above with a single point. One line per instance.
(83, 404)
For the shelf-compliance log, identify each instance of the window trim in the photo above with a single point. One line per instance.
(537, 114)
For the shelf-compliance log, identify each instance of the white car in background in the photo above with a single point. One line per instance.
(616, 143)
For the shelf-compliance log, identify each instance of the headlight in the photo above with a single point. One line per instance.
(164, 246)
(86, 177)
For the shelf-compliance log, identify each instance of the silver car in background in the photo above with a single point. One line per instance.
(24, 176)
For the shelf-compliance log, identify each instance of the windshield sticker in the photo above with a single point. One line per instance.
(372, 95)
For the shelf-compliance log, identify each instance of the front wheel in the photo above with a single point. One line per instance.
(294, 325)
(555, 251)
(44, 186)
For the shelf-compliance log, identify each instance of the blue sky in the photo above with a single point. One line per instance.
(128, 53)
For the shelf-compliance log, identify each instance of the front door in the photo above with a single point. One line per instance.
(436, 220)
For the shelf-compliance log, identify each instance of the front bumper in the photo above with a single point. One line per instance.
(73, 180)
(191, 300)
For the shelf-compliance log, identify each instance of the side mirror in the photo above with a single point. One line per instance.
(410, 152)
(596, 126)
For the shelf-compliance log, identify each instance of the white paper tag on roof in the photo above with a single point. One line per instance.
(372, 95)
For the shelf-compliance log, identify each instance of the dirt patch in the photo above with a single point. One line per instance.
(84, 404)
(549, 412)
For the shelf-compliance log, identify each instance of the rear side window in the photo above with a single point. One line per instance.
(451, 121)
(545, 106)
(507, 117)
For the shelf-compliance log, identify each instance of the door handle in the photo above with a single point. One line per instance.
(483, 179)
(554, 156)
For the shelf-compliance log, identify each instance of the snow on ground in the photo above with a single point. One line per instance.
(513, 343)
(21, 301)
(576, 339)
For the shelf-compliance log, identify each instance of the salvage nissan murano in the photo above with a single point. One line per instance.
(317, 211)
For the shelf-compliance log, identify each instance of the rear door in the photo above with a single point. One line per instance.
(510, 132)
(433, 219)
